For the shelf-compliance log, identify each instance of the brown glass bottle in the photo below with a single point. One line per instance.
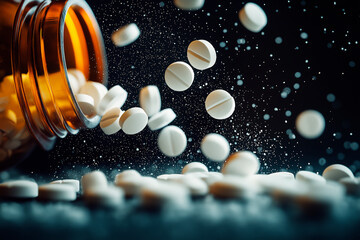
(39, 41)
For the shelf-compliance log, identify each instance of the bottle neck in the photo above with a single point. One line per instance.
(50, 37)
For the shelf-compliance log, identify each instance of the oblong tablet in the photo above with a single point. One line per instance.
(220, 104)
(179, 76)
(19, 189)
(161, 119)
(95, 179)
(110, 122)
(110, 196)
(194, 167)
(94, 89)
(150, 99)
(57, 192)
(172, 141)
(253, 17)
(71, 182)
(201, 54)
(310, 124)
(233, 187)
(215, 147)
(86, 104)
(336, 172)
(115, 97)
(133, 120)
(125, 35)
(190, 5)
(243, 163)
(282, 176)
(126, 174)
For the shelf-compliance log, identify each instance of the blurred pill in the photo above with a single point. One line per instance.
(179, 76)
(125, 35)
(57, 192)
(161, 119)
(242, 163)
(310, 124)
(150, 100)
(133, 120)
(172, 141)
(18, 189)
(215, 147)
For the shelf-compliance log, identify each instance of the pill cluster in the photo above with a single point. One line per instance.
(239, 179)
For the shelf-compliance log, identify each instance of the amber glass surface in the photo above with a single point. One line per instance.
(39, 41)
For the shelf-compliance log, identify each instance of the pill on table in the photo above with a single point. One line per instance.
(215, 147)
(336, 172)
(310, 124)
(126, 174)
(309, 177)
(95, 179)
(243, 163)
(282, 175)
(115, 97)
(170, 177)
(220, 104)
(253, 17)
(196, 186)
(110, 196)
(150, 100)
(94, 89)
(71, 182)
(132, 185)
(352, 185)
(125, 35)
(194, 167)
(201, 54)
(86, 104)
(233, 187)
(189, 5)
(172, 141)
(161, 119)
(18, 189)
(74, 84)
(110, 121)
(57, 192)
(179, 76)
(79, 75)
(133, 120)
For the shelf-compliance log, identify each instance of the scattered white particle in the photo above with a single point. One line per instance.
(322, 161)
(225, 30)
(266, 117)
(304, 35)
(222, 44)
(352, 64)
(331, 97)
(240, 82)
(161, 4)
(288, 113)
(298, 74)
(248, 48)
(278, 40)
(241, 41)
(296, 86)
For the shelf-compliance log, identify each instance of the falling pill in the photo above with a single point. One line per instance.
(201, 54)
(310, 124)
(125, 35)
(179, 76)
(172, 141)
(220, 104)
(161, 119)
(253, 17)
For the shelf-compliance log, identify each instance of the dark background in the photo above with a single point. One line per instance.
(328, 60)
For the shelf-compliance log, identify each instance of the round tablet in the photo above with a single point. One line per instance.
(79, 75)
(309, 177)
(95, 179)
(220, 104)
(215, 147)
(243, 163)
(233, 187)
(179, 76)
(201, 54)
(150, 100)
(352, 185)
(71, 182)
(336, 172)
(94, 89)
(172, 141)
(282, 175)
(133, 121)
(131, 173)
(189, 4)
(253, 17)
(194, 167)
(110, 196)
(86, 104)
(132, 185)
(310, 124)
(161, 119)
(125, 35)
(18, 189)
(115, 97)
(57, 192)
(110, 122)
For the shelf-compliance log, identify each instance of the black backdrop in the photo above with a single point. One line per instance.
(252, 67)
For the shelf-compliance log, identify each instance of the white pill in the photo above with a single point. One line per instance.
(125, 35)
(309, 177)
(94, 89)
(71, 182)
(74, 84)
(233, 187)
(283, 192)
(282, 176)
(110, 121)
(95, 179)
(161, 119)
(133, 120)
(115, 97)
(169, 177)
(133, 185)
(352, 185)
(161, 194)
(196, 186)
(79, 75)
(243, 163)
(18, 189)
(201, 54)
(172, 141)
(220, 104)
(104, 197)
(194, 167)
(253, 17)
(150, 100)
(189, 4)
(310, 124)
(215, 147)
(127, 174)
(211, 177)
(336, 172)
(179, 76)
(57, 192)
(86, 104)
